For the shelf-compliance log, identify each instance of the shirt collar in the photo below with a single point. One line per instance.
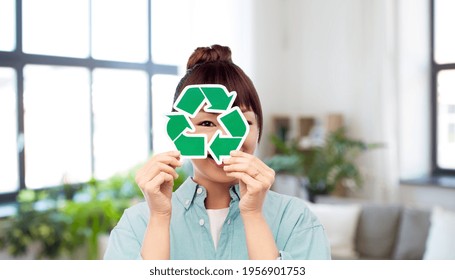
(186, 193)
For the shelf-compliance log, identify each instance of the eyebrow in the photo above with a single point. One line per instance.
(209, 113)
(212, 114)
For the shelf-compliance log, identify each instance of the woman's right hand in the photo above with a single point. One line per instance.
(156, 181)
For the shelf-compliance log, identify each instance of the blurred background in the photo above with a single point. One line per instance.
(363, 90)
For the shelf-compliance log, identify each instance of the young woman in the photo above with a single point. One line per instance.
(224, 211)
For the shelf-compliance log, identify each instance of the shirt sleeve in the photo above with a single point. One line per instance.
(303, 236)
(123, 243)
(307, 244)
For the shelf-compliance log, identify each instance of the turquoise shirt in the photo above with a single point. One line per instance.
(298, 233)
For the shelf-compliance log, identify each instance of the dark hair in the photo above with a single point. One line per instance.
(213, 65)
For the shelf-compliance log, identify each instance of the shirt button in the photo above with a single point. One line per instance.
(229, 221)
(187, 202)
(199, 191)
(201, 222)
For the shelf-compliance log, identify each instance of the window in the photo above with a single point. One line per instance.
(9, 177)
(443, 86)
(56, 125)
(120, 120)
(76, 84)
(7, 25)
(41, 34)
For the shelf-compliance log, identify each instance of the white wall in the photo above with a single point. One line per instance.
(365, 59)
(326, 56)
(427, 196)
(414, 88)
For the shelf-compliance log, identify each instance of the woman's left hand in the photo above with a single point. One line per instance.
(255, 179)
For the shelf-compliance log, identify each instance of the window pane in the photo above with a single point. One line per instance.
(120, 119)
(119, 30)
(8, 131)
(163, 88)
(55, 27)
(446, 119)
(7, 25)
(57, 125)
(443, 31)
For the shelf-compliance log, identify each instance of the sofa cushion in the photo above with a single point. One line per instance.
(412, 234)
(340, 223)
(440, 244)
(376, 231)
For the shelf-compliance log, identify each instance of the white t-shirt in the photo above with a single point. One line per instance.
(217, 218)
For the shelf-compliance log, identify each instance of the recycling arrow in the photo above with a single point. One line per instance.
(231, 120)
(218, 99)
(190, 101)
(177, 124)
(192, 145)
(221, 146)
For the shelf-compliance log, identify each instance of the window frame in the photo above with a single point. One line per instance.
(17, 60)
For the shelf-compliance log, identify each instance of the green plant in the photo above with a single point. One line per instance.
(63, 219)
(45, 226)
(321, 168)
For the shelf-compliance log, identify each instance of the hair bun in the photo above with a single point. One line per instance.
(209, 54)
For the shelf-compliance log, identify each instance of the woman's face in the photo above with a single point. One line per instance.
(207, 170)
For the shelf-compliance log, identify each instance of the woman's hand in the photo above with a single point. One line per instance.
(255, 179)
(156, 181)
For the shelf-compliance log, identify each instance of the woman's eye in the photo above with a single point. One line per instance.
(206, 123)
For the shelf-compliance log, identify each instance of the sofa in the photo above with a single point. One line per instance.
(373, 231)
(391, 232)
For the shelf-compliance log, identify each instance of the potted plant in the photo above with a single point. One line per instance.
(67, 222)
(322, 169)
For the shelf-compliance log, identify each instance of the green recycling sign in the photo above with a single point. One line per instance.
(231, 120)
